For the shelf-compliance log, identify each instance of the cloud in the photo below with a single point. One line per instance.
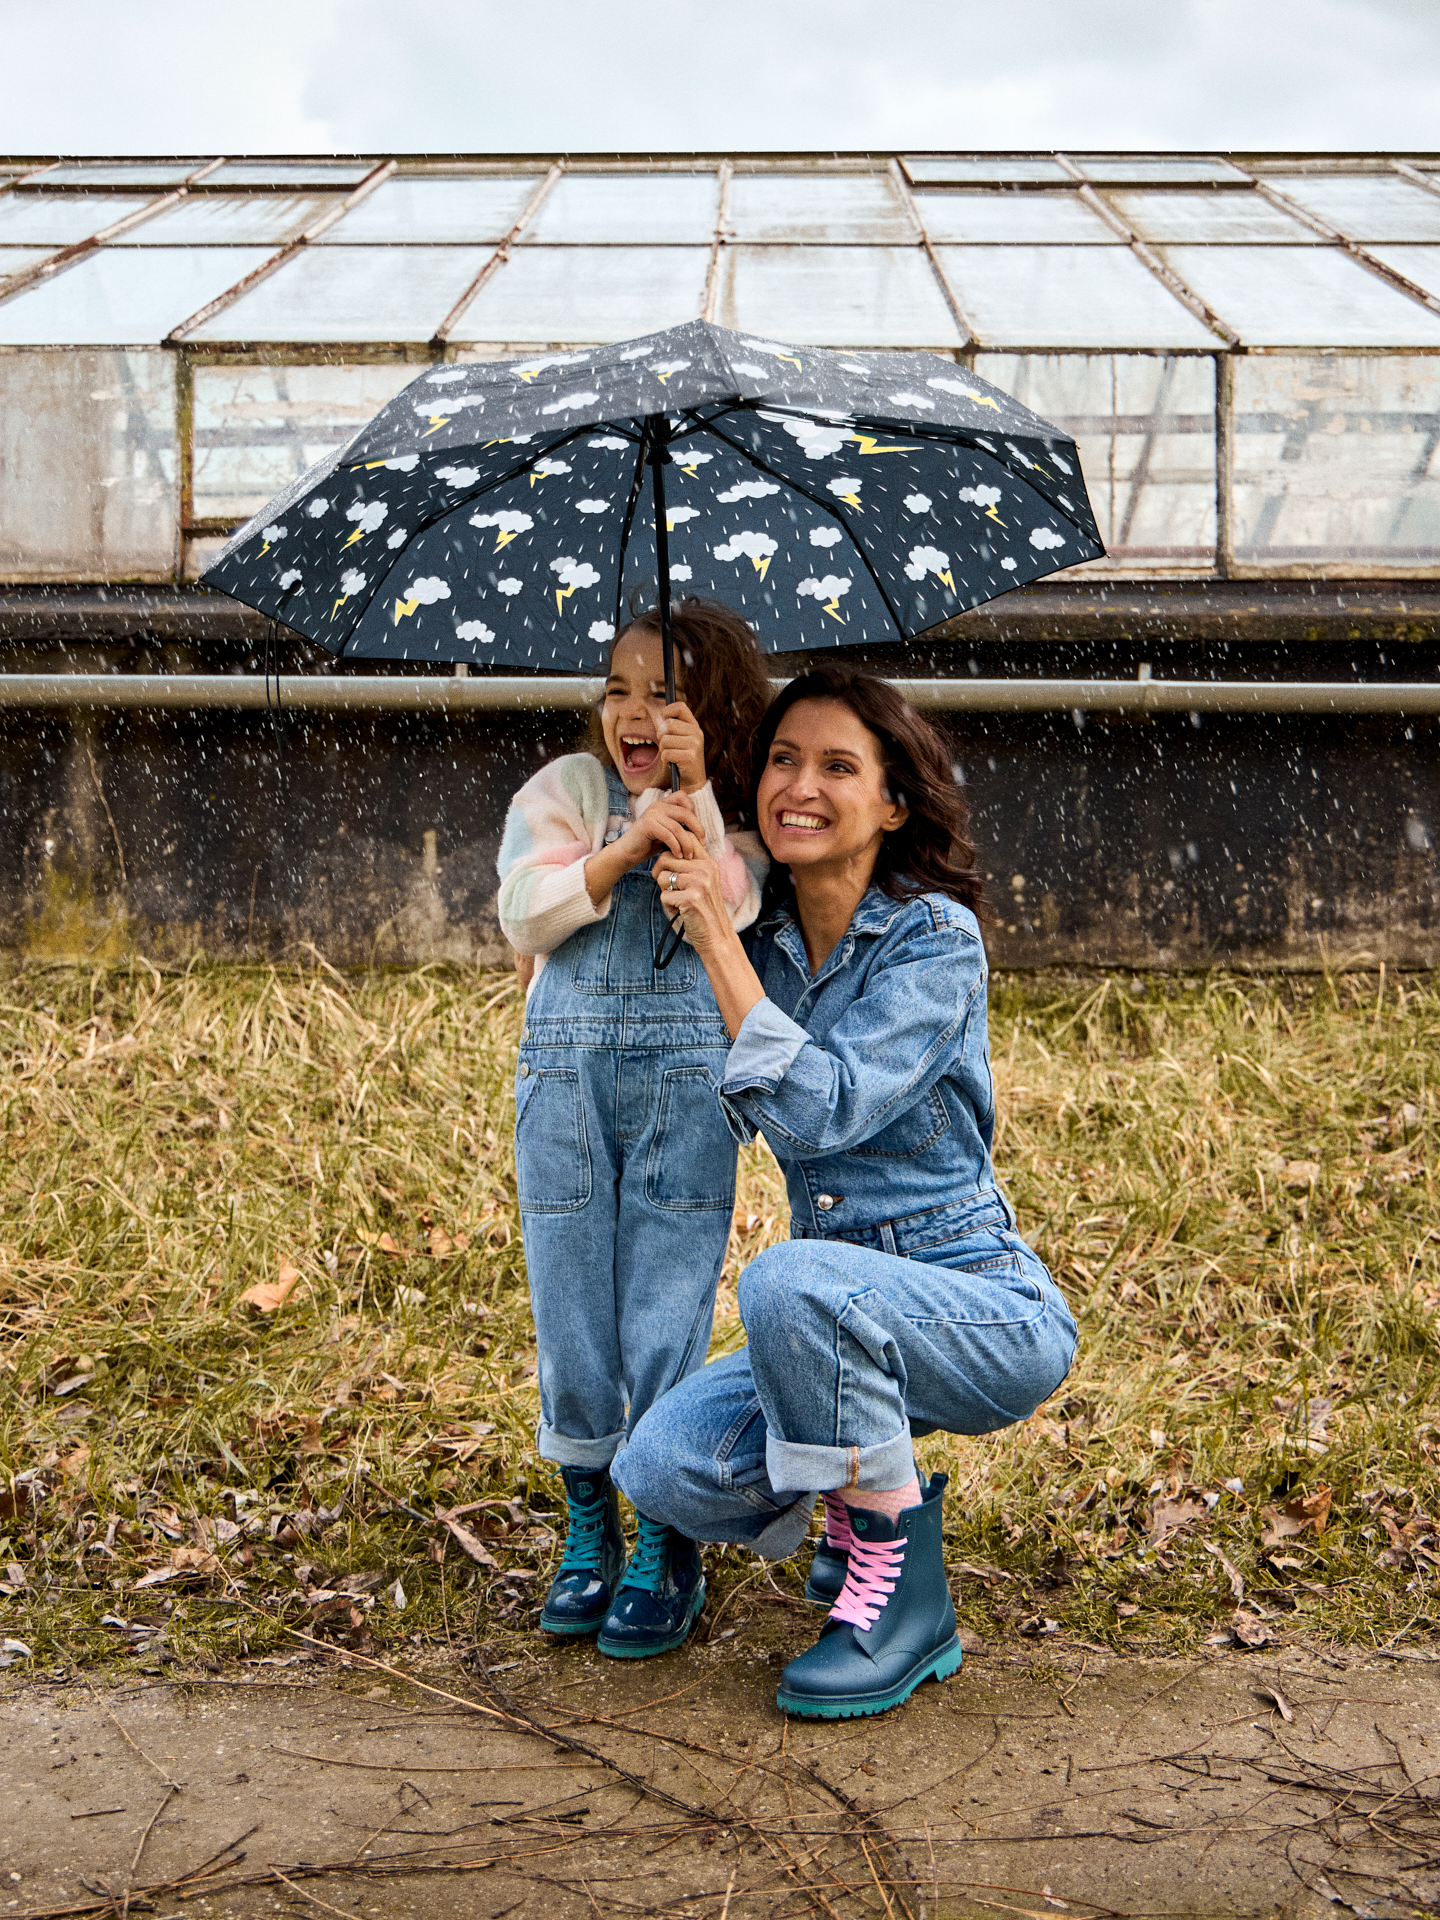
(351, 581)
(918, 502)
(747, 490)
(398, 538)
(748, 366)
(317, 507)
(753, 546)
(664, 368)
(272, 533)
(427, 591)
(569, 401)
(925, 560)
(602, 630)
(846, 487)
(691, 457)
(830, 588)
(447, 403)
(506, 520)
(982, 496)
(825, 536)
(1008, 564)
(592, 506)
(911, 399)
(402, 463)
(817, 442)
(446, 377)
(677, 516)
(458, 476)
(550, 467)
(367, 515)
(509, 586)
(610, 441)
(290, 579)
(1057, 461)
(1045, 538)
(575, 573)
(473, 630)
(682, 572)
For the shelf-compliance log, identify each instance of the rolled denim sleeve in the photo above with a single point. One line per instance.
(907, 1029)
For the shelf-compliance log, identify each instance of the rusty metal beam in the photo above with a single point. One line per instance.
(1371, 262)
(79, 250)
(717, 243)
(969, 337)
(441, 337)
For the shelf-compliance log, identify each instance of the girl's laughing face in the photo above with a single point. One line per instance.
(634, 702)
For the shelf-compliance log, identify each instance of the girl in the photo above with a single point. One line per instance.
(624, 1162)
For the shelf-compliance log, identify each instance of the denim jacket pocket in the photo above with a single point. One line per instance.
(552, 1150)
(691, 1165)
(917, 1128)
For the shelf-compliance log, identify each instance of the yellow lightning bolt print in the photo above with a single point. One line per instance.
(358, 534)
(790, 358)
(948, 578)
(762, 567)
(850, 499)
(404, 608)
(832, 607)
(993, 513)
(562, 594)
(263, 551)
(504, 539)
(338, 604)
(437, 420)
(868, 443)
(981, 399)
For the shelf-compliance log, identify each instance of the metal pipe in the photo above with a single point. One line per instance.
(497, 693)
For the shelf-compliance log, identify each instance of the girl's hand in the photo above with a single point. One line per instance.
(661, 828)
(682, 745)
(689, 883)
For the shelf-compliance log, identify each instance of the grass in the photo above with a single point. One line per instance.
(1233, 1180)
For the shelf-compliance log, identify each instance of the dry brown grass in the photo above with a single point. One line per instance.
(1231, 1179)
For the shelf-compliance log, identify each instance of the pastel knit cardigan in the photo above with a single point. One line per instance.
(560, 817)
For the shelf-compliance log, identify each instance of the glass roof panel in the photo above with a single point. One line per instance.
(1210, 218)
(460, 211)
(123, 296)
(836, 296)
(1161, 172)
(60, 219)
(352, 293)
(1303, 297)
(122, 173)
(1068, 297)
(290, 173)
(590, 294)
(831, 208)
(636, 208)
(977, 218)
(230, 219)
(1420, 264)
(929, 170)
(1366, 206)
(16, 259)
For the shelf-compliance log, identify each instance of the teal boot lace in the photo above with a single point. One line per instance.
(647, 1562)
(585, 1537)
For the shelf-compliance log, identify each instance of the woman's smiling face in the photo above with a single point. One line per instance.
(634, 702)
(822, 800)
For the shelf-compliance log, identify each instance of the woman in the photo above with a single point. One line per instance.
(905, 1301)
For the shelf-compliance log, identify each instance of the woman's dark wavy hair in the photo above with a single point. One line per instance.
(719, 676)
(931, 853)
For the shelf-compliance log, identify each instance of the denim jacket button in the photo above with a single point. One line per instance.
(824, 1201)
(524, 1069)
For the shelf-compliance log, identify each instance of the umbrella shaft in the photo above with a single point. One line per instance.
(660, 433)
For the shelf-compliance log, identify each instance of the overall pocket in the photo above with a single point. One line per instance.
(691, 1165)
(552, 1152)
(618, 954)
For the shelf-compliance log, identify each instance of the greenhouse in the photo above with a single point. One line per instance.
(1246, 350)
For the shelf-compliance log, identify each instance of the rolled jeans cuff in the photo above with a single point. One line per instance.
(566, 1451)
(793, 1466)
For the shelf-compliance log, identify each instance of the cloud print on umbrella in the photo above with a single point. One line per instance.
(831, 499)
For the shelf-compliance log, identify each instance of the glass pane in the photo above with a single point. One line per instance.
(1303, 297)
(16, 259)
(59, 220)
(590, 294)
(88, 465)
(220, 219)
(836, 296)
(352, 293)
(124, 296)
(976, 218)
(833, 207)
(657, 209)
(1068, 297)
(1145, 429)
(1162, 172)
(258, 428)
(291, 173)
(1333, 463)
(1206, 218)
(463, 211)
(1420, 264)
(125, 173)
(1366, 206)
(928, 171)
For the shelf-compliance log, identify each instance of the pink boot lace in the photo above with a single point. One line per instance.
(837, 1523)
(869, 1580)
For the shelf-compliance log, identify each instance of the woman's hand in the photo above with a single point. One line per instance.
(682, 745)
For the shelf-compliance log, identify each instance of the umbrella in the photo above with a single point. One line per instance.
(491, 513)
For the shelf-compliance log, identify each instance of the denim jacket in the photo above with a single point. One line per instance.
(871, 1081)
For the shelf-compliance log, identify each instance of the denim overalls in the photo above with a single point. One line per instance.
(626, 1171)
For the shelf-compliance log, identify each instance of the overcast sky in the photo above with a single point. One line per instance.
(148, 76)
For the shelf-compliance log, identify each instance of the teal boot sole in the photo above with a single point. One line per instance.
(618, 1650)
(853, 1706)
(571, 1628)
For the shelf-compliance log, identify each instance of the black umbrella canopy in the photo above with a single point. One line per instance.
(498, 511)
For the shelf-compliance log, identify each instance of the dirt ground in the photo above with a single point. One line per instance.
(1046, 1778)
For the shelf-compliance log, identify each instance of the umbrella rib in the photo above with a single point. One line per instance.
(795, 486)
(630, 506)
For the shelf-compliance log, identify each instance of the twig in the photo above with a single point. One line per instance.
(313, 1898)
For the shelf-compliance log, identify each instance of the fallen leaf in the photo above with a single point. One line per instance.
(193, 1560)
(267, 1295)
(1249, 1630)
(467, 1541)
(442, 1244)
(17, 1646)
(410, 1296)
(1169, 1517)
(1287, 1712)
(397, 1597)
(1037, 1624)
(74, 1462)
(382, 1242)
(1127, 1609)
(1304, 1512)
(1232, 1572)
(1301, 1173)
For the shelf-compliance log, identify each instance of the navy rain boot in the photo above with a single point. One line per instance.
(893, 1625)
(660, 1597)
(594, 1556)
(832, 1556)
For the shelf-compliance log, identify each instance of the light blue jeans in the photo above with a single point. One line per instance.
(853, 1350)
